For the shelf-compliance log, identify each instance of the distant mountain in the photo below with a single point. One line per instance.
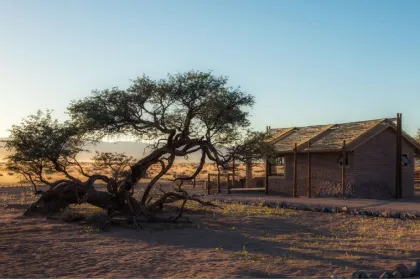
(134, 149)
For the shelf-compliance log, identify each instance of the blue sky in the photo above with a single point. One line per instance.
(306, 62)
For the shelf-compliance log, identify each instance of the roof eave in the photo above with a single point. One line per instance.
(409, 139)
(305, 151)
(323, 150)
(284, 152)
(281, 136)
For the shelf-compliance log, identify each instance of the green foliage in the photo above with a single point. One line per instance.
(41, 144)
(39, 136)
(189, 107)
(254, 146)
(195, 103)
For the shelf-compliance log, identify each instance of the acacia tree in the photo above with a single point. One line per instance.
(183, 114)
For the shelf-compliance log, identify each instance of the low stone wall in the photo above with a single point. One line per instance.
(319, 208)
(400, 271)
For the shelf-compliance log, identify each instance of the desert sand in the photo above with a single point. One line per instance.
(234, 242)
(237, 241)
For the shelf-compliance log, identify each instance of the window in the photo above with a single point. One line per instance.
(405, 160)
(280, 161)
(277, 166)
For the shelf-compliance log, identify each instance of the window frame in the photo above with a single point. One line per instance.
(279, 161)
(340, 159)
(405, 156)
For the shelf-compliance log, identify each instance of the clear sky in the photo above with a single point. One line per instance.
(306, 62)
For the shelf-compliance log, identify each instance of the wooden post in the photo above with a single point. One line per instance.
(295, 172)
(309, 171)
(248, 174)
(400, 152)
(396, 159)
(398, 177)
(218, 182)
(233, 172)
(208, 183)
(343, 169)
(267, 172)
(228, 183)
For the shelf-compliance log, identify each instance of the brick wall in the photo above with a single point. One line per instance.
(375, 169)
(325, 173)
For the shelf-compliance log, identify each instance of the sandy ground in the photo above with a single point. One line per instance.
(234, 242)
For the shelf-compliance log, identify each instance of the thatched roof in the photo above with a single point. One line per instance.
(278, 133)
(300, 136)
(330, 138)
(344, 132)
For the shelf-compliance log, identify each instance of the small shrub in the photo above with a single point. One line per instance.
(90, 229)
(70, 216)
(96, 215)
(1, 174)
(10, 173)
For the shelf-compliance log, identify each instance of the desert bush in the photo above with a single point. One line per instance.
(69, 215)
(96, 216)
(10, 173)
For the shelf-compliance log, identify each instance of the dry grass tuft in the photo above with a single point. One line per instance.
(26, 197)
